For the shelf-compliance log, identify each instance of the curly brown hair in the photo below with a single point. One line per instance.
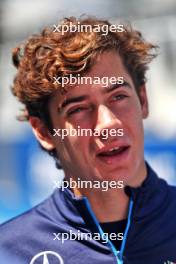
(49, 54)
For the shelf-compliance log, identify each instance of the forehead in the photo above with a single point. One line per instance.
(108, 64)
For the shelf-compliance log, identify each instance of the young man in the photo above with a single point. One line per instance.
(133, 220)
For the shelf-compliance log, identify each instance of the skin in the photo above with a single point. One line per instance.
(101, 109)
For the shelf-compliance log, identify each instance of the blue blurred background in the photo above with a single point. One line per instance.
(27, 174)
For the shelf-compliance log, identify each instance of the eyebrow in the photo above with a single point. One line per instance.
(115, 86)
(73, 100)
(84, 97)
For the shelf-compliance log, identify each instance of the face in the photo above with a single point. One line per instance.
(99, 107)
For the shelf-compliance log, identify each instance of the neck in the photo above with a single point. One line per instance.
(114, 203)
(111, 205)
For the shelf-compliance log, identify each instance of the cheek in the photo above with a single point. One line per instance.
(73, 144)
(133, 121)
(85, 122)
(74, 155)
(80, 138)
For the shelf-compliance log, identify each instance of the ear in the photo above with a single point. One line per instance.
(41, 132)
(144, 101)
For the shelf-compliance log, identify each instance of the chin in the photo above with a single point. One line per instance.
(118, 174)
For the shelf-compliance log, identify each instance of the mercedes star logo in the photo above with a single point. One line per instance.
(44, 257)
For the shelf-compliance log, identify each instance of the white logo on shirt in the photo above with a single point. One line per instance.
(44, 257)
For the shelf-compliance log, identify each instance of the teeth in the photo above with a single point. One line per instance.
(116, 148)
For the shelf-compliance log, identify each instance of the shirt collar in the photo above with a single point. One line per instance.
(147, 198)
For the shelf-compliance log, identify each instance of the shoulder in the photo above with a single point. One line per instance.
(29, 232)
(27, 223)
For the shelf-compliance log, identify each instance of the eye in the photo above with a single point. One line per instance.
(119, 97)
(76, 110)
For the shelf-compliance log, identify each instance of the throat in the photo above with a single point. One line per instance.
(109, 206)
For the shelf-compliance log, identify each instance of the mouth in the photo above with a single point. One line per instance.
(113, 151)
(114, 154)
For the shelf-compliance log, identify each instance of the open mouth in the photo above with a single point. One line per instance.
(113, 151)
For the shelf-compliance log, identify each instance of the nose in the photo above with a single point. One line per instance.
(106, 119)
